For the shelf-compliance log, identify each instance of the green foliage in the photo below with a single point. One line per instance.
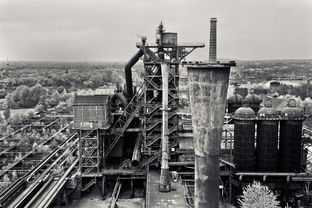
(256, 195)
(6, 112)
(21, 96)
(301, 91)
(36, 92)
(9, 130)
(14, 175)
(44, 149)
(6, 178)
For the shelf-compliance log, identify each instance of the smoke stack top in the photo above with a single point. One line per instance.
(213, 41)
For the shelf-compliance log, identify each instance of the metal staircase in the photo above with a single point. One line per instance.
(150, 53)
(155, 155)
(156, 138)
(89, 184)
(126, 117)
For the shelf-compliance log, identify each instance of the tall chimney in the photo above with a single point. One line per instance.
(213, 41)
(208, 86)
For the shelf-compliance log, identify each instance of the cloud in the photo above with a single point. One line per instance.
(108, 30)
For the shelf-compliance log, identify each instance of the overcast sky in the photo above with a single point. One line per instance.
(107, 30)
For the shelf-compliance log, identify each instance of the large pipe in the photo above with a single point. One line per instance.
(208, 86)
(213, 41)
(165, 185)
(128, 72)
(136, 153)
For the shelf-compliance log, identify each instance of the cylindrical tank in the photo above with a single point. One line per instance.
(254, 101)
(169, 39)
(244, 139)
(234, 102)
(267, 139)
(290, 138)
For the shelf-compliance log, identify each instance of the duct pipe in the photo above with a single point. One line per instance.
(164, 185)
(128, 72)
(136, 153)
(208, 86)
(213, 41)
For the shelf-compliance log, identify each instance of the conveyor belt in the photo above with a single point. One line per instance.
(23, 190)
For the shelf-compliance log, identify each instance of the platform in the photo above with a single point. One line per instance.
(156, 199)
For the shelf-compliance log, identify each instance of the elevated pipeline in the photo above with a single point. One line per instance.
(135, 161)
(128, 72)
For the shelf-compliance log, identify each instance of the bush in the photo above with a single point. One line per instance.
(256, 195)
(6, 112)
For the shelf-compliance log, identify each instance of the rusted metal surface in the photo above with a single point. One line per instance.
(208, 91)
(164, 185)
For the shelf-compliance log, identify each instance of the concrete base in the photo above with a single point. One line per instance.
(164, 188)
(157, 199)
(164, 183)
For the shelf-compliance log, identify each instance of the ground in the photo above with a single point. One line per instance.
(94, 200)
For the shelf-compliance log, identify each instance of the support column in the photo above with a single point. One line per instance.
(165, 185)
(103, 187)
(208, 86)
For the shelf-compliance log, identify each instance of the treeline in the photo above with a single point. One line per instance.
(302, 91)
(70, 80)
(29, 97)
(71, 76)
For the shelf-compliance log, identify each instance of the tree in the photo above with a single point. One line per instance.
(14, 175)
(36, 92)
(54, 99)
(6, 112)
(60, 89)
(256, 195)
(6, 178)
(21, 96)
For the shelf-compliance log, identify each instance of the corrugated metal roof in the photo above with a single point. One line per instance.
(104, 91)
(91, 99)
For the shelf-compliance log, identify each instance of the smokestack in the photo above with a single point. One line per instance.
(208, 86)
(213, 41)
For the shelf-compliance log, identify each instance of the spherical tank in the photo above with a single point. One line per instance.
(244, 139)
(290, 139)
(267, 140)
(234, 102)
(254, 101)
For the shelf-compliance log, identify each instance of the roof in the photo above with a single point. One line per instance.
(91, 99)
(293, 113)
(106, 91)
(266, 112)
(236, 98)
(244, 113)
(253, 98)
